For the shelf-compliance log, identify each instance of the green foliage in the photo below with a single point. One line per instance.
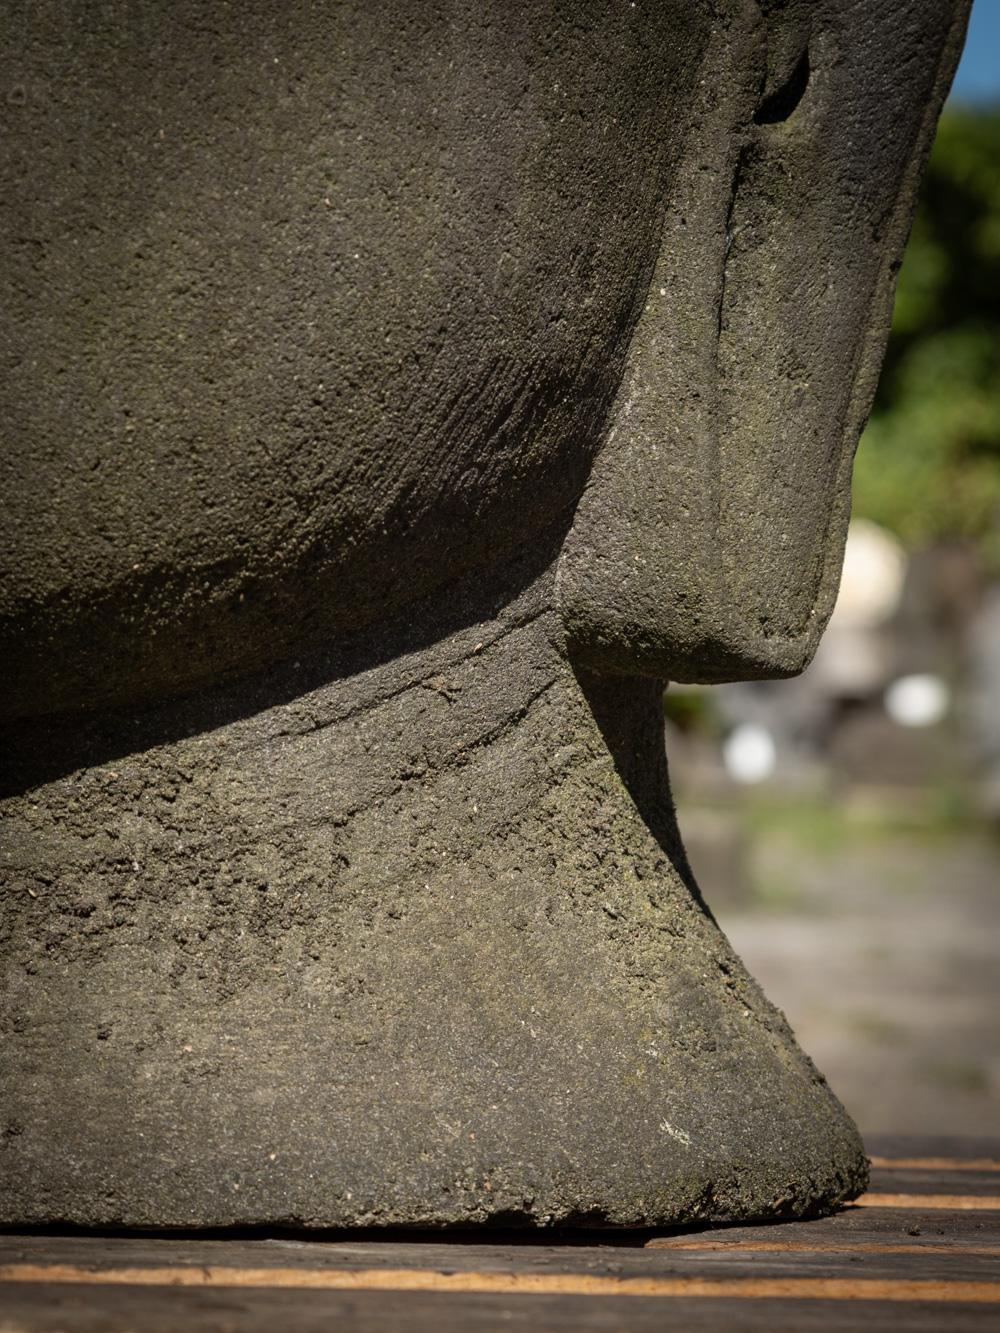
(929, 463)
(690, 710)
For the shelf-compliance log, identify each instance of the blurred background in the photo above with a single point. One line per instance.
(845, 826)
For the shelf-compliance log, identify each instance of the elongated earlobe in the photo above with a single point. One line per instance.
(708, 543)
(640, 568)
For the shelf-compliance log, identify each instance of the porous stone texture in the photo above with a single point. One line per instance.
(307, 309)
(418, 946)
(397, 394)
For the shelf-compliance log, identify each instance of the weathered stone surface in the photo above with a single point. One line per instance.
(415, 946)
(308, 309)
(340, 878)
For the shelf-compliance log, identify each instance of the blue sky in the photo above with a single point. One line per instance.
(978, 75)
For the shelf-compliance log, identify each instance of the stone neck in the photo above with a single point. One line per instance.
(414, 945)
(428, 759)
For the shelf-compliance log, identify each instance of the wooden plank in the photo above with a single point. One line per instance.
(900, 1147)
(481, 1282)
(58, 1309)
(916, 1180)
(830, 1247)
(954, 1230)
(988, 1203)
(936, 1163)
(959, 1173)
(436, 1266)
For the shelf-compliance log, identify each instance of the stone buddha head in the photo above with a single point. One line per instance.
(395, 395)
(310, 309)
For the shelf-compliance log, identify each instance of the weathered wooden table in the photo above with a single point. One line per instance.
(920, 1251)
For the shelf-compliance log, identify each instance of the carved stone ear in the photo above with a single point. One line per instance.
(641, 566)
(708, 543)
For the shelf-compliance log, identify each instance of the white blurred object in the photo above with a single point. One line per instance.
(917, 701)
(982, 716)
(749, 753)
(852, 656)
(872, 582)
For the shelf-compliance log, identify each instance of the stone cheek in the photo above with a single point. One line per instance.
(306, 312)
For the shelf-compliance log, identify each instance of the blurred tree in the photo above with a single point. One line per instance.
(929, 463)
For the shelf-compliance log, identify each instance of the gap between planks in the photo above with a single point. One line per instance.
(936, 1163)
(557, 1284)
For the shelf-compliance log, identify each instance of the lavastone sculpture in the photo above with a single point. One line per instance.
(396, 394)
